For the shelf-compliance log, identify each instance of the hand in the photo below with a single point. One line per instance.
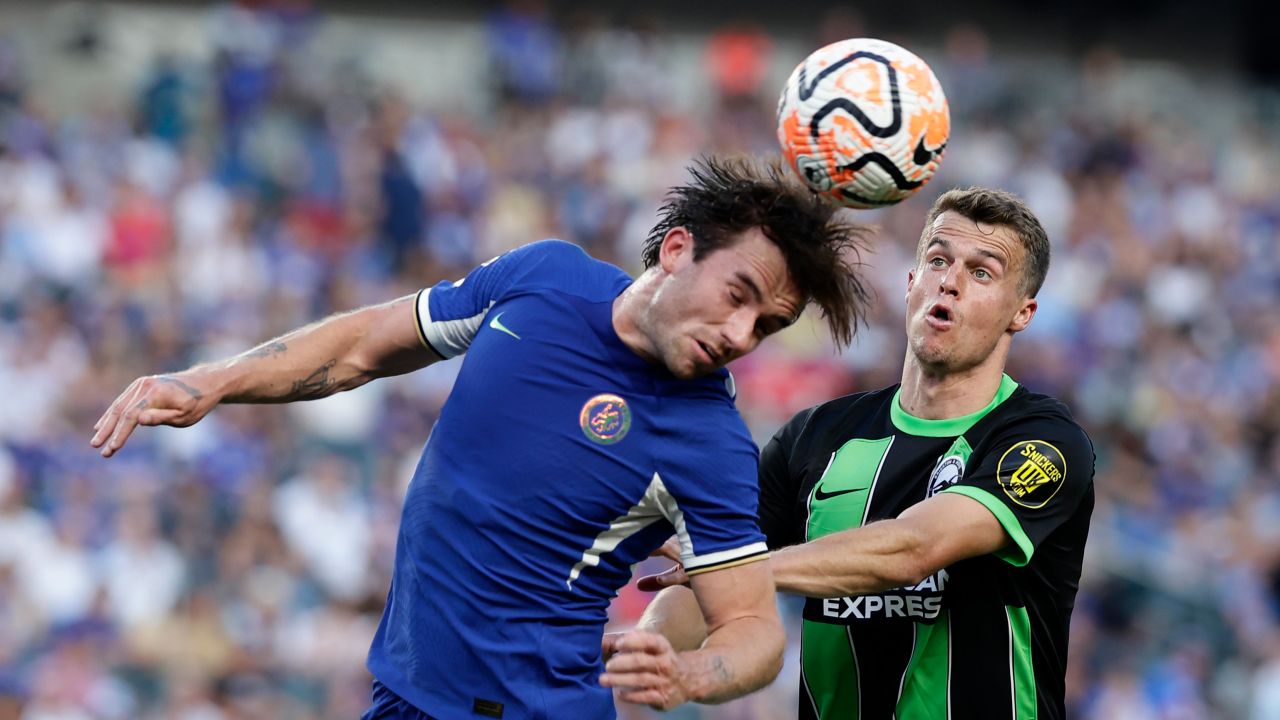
(152, 400)
(669, 550)
(665, 579)
(646, 670)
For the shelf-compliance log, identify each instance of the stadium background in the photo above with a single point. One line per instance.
(181, 181)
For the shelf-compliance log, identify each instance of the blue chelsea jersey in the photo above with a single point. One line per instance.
(560, 459)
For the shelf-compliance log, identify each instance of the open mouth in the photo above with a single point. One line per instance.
(940, 313)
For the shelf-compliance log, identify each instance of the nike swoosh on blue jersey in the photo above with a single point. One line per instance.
(496, 324)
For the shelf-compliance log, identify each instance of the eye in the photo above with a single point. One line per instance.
(937, 262)
(735, 297)
(982, 274)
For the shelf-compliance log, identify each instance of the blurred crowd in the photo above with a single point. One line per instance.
(237, 569)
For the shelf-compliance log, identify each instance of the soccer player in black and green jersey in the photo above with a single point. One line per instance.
(937, 527)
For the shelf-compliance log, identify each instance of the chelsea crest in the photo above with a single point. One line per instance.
(605, 419)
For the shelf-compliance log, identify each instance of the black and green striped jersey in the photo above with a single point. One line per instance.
(985, 638)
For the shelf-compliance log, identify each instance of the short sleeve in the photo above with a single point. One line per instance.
(779, 485)
(1033, 478)
(710, 483)
(450, 313)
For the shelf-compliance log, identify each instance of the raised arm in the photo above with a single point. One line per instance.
(338, 353)
(731, 648)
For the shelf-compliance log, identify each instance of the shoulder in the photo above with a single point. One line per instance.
(564, 266)
(551, 249)
(709, 432)
(1041, 429)
(1033, 410)
(708, 401)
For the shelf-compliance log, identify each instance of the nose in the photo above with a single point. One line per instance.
(950, 283)
(740, 332)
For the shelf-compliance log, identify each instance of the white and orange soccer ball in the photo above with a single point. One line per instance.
(864, 122)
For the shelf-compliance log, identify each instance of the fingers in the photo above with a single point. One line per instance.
(668, 578)
(109, 425)
(645, 670)
(106, 423)
(640, 659)
(633, 680)
(638, 671)
(652, 697)
(640, 641)
(124, 427)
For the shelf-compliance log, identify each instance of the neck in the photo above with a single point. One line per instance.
(628, 315)
(943, 394)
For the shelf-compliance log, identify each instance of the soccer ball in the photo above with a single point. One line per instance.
(864, 122)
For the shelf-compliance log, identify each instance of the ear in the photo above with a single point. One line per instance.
(1022, 318)
(911, 281)
(676, 250)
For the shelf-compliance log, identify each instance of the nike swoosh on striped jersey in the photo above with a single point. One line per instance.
(819, 495)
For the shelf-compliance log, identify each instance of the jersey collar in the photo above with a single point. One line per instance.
(948, 427)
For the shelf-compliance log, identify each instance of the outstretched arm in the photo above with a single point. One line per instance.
(924, 539)
(338, 353)
(731, 648)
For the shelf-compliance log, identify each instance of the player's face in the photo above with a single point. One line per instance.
(709, 312)
(964, 296)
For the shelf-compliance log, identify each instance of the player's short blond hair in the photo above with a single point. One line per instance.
(998, 207)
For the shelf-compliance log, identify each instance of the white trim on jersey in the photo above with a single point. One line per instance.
(671, 511)
(640, 516)
(804, 683)
(450, 338)
(657, 503)
(875, 480)
(691, 560)
(857, 666)
(902, 682)
(724, 557)
(950, 646)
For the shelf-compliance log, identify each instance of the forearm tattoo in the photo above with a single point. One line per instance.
(723, 675)
(317, 384)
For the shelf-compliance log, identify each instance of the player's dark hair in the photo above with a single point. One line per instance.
(998, 207)
(729, 196)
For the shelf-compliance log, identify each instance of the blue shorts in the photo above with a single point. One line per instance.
(390, 706)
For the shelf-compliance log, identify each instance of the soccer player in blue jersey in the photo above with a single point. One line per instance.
(592, 419)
